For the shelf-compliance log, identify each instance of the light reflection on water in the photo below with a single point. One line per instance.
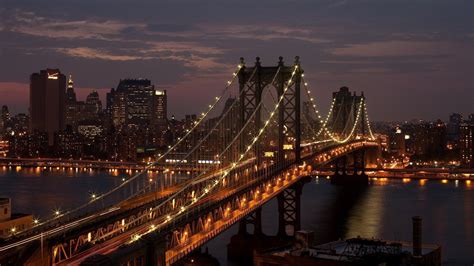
(41, 191)
(382, 210)
(365, 219)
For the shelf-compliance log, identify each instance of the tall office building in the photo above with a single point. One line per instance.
(160, 105)
(452, 129)
(140, 94)
(5, 120)
(466, 143)
(77, 111)
(429, 140)
(70, 93)
(397, 142)
(118, 110)
(135, 101)
(72, 108)
(47, 102)
(93, 102)
(159, 115)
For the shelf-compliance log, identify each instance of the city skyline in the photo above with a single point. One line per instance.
(83, 93)
(281, 132)
(424, 53)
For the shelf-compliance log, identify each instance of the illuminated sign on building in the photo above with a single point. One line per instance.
(53, 75)
(157, 92)
(287, 146)
(269, 154)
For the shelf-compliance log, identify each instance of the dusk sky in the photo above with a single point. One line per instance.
(412, 58)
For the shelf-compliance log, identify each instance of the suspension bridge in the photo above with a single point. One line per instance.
(258, 139)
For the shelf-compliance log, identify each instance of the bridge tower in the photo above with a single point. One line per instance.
(251, 88)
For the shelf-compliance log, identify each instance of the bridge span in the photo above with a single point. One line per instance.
(264, 147)
(219, 211)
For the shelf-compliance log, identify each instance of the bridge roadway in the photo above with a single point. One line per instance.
(114, 243)
(132, 205)
(59, 164)
(284, 179)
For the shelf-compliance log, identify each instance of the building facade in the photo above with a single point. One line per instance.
(77, 111)
(47, 102)
(466, 144)
(12, 223)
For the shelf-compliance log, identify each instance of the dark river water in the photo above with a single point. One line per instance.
(382, 210)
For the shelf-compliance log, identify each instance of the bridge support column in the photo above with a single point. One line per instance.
(243, 244)
(340, 166)
(155, 250)
(341, 174)
(242, 227)
(359, 162)
(289, 210)
(255, 219)
(257, 225)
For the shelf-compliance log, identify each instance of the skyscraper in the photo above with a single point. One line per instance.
(135, 101)
(466, 143)
(160, 105)
(140, 94)
(72, 108)
(452, 129)
(119, 108)
(70, 94)
(397, 142)
(4, 119)
(77, 111)
(94, 102)
(47, 102)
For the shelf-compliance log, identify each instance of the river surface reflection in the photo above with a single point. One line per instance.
(382, 210)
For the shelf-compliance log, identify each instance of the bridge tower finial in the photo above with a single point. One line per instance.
(257, 61)
(242, 61)
(280, 61)
(297, 60)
